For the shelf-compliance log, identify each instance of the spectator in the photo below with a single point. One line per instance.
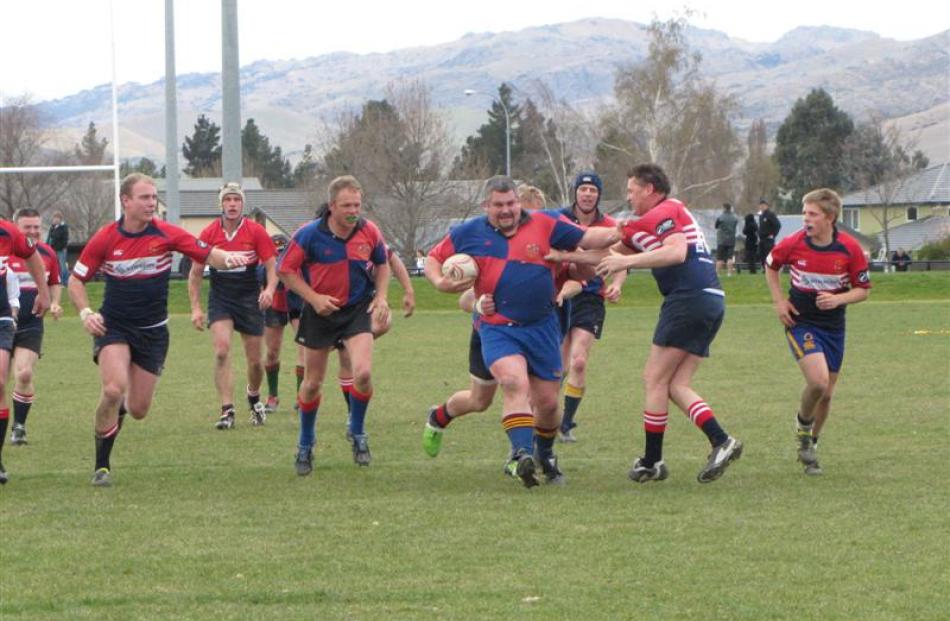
(58, 239)
(726, 225)
(900, 260)
(769, 227)
(751, 232)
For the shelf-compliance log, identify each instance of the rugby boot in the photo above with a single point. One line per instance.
(642, 473)
(719, 459)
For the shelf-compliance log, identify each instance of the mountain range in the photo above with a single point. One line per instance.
(294, 101)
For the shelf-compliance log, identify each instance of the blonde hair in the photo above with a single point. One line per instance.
(530, 194)
(827, 200)
(125, 188)
(344, 182)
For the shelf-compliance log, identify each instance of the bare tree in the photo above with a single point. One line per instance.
(23, 142)
(879, 163)
(667, 114)
(759, 173)
(399, 148)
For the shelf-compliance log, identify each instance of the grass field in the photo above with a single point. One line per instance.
(203, 524)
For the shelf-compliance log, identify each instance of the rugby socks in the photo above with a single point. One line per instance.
(346, 387)
(654, 426)
(804, 425)
(253, 397)
(572, 398)
(298, 371)
(273, 373)
(21, 407)
(4, 421)
(227, 408)
(520, 429)
(358, 403)
(702, 416)
(308, 423)
(104, 442)
(544, 442)
(440, 416)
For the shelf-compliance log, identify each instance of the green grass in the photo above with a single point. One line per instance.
(203, 524)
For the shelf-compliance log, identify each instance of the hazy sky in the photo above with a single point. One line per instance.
(53, 48)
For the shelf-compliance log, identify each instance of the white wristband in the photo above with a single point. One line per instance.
(84, 313)
(478, 305)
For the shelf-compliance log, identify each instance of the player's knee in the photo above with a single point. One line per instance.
(112, 392)
(362, 378)
(221, 355)
(579, 363)
(544, 407)
(138, 411)
(24, 377)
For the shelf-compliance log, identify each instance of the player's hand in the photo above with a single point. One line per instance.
(447, 285)
(612, 263)
(42, 303)
(485, 305)
(612, 293)
(379, 308)
(568, 290)
(408, 303)
(554, 256)
(14, 313)
(94, 324)
(265, 299)
(56, 310)
(198, 319)
(784, 309)
(325, 304)
(827, 301)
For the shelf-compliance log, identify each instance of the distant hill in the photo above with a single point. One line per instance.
(292, 100)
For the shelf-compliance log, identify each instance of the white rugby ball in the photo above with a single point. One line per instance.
(460, 267)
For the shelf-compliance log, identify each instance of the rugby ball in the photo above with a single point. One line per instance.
(460, 267)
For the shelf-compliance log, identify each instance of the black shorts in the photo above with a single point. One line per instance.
(564, 318)
(690, 322)
(30, 338)
(724, 252)
(588, 313)
(243, 311)
(148, 346)
(279, 319)
(321, 332)
(7, 332)
(476, 364)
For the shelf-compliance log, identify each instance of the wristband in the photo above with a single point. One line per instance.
(84, 313)
(478, 305)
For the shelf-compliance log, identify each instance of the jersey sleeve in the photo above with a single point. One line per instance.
(92, 256)
(294, 257)
(780, 253)
(858, 268)
(266, 249)
(23, 246)
(443, 250)
(380, 254)
(637, 238)
(186, 243)
(565, 235)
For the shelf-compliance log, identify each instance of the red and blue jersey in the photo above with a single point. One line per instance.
(834, 268)
(136, 268)
(698, 272)
(513, 269)
(249, 239)
(13, 244)
(28, 288)
(596, 284)
(334, 266)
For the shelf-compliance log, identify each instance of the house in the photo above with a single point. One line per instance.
(279, 211)
(921, 197)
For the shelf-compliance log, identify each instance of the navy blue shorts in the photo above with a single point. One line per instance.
(30, 337)
(7, 332)
(476, 363)
(588, 313)
(690, 322)
(243, 311)
(564, 317)
(539, 343)
(804, 339)
(148, 346)
(322, 332)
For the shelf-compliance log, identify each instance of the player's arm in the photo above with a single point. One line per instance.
(56, 295)
(828, 301)
(783, 307)
(402, 275)
(224, 260)
(599, 237)
(433, 271)
(671, 252)
(195, 276)
(34, 264)
(92, 322)
(266, 297)
(13, 294)
(379, 307)
(568, 290)
(615, 288)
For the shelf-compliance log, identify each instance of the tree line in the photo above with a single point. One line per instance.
(401, 148)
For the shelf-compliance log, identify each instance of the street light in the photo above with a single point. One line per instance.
(468, 93)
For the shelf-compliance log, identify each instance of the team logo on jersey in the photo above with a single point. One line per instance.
(802, 263)
(809, 343)
(839, 265)
(117, 252)
(665, 226)
(362, 251)
(863, 277)
(533, 250)
(201, 244)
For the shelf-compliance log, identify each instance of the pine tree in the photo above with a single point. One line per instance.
(202, 149)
